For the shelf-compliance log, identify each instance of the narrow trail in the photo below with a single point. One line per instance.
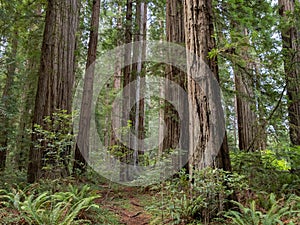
(127, 205)
(136, 214)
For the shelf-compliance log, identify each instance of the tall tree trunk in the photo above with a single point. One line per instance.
(7, 99)
(162, 95)
(124, 170)
(116, 112)
(82, 144)
(260, 139)
(56, 74)
(137, 75)
(208, 140)
(28, 92)
(205, 109)
(141, 115)
(25, 120)
(291, 50)
(248, 127)
(175, 126)
(133, 74)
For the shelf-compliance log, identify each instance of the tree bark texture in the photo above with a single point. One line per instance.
(248, 126)
(82, 144)
(291, 50)
(56, 73)
(137, 73)
(176, 127)
(208, 140)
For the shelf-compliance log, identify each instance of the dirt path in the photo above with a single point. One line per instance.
(127, 205)
(134, 215)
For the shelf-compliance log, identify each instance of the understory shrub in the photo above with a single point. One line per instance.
(198, 197)
(262, 168)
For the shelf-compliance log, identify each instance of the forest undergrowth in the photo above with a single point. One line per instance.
(262, 189)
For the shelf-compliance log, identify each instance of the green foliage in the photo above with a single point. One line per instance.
(289, 154)
(10, 198)
(21, 29)
(3, 112)
(8, 179)
(198, 197)
(278, 212)
(248, 40)
(269, 158)
(55, 139)
(157, 8)
(264, 167)
(46, 208)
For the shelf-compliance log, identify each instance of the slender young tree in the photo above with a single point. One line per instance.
(28, 93)
(116, 113)
(137, 75)
(82, 144)
(291, 51)
(56, 73)
(7, 98)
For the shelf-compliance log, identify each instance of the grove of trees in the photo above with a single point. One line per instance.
(239, 120)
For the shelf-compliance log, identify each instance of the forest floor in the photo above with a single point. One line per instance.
(124, 205)
(127, 203)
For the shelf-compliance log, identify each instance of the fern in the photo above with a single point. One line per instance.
(59, 208)
(84, 203)
(34, 208)
(273, 216)
(11, 199)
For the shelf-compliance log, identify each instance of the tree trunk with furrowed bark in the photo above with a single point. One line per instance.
(56, 74)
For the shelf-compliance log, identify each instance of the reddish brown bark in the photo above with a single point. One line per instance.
(56, 73)
(206, 113)
(176, 128)
(291, 50)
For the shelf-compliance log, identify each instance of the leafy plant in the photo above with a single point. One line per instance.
(3, 112)
(262, 168)
(10, 198)
(279, 212)
(55, 139)
(198, 197)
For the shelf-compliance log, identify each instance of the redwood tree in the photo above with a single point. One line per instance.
(82, 145)
(250, 135)
(175, 126)
(206, 113)
(137, 73)
(208, 141)
(56, 73)
(291, 51)
(124, 170)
